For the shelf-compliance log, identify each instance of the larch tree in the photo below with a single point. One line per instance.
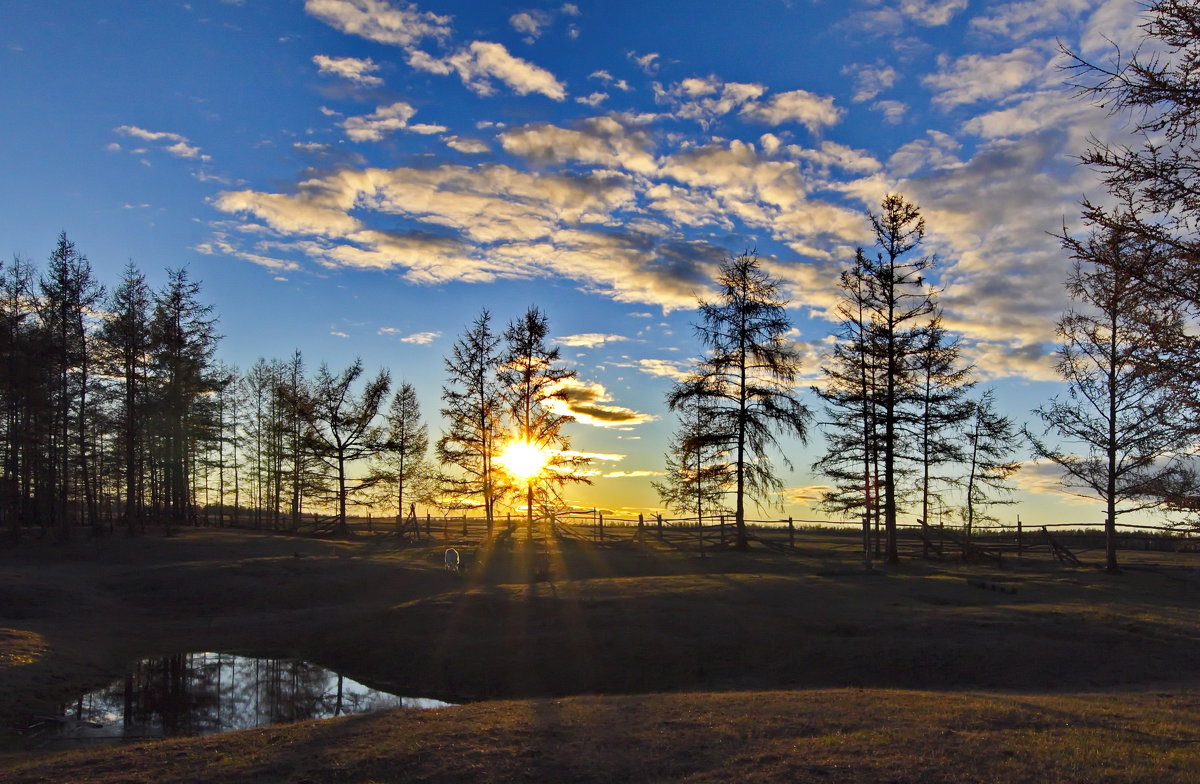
(531, 380)
(127, 339)
(941, 384)
(406, 441)
(850, 390)
(183, 342)
(68, 294)
(745, 388)
(1122, 428)
(698, 474)
(472, 408)
(342, 428)
(899, 307)
(990, 441)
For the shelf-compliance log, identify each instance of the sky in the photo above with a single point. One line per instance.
(361, 177)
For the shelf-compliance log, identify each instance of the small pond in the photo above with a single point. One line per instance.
(206, 693)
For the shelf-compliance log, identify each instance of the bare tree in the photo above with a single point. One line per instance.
(745, 387)
(1123, 410)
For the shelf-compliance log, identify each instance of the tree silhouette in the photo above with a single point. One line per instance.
(342, 428)
(530, 379)
(745, 387)
(1123, 409)
(472, 409)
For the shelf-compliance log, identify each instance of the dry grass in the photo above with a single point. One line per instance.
(1089, 677)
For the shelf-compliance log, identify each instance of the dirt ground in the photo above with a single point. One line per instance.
(766, 665)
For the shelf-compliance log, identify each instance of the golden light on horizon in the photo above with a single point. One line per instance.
(523, 460)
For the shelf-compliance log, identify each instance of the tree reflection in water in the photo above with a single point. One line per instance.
(205, 693)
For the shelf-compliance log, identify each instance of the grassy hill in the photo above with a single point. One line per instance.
(636, 662)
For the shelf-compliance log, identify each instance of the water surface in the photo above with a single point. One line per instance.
(206, 693)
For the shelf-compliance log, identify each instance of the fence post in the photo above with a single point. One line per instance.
(370, 525)
(791, 534)
(641, 526)
(660, 531)
(601, 526)
(722, 530)
(464, 524)
(1020, 546)
(428, 524)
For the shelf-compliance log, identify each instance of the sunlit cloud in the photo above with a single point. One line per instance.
(385, 120)
(353, 69)
(379, 20)
(482, 63)
(466, 145)
(589, 403)
(589, 339)
(172, 143)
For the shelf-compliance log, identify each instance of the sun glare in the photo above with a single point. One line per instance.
(524, 460)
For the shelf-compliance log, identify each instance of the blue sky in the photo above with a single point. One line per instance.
(360, 177)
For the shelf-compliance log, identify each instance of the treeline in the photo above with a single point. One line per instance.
(117, 414)
(105, 397)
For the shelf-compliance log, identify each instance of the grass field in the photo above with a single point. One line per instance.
(635, 662)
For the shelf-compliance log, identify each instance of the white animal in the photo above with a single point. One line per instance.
(453, 563)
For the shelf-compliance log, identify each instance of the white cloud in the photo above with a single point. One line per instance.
(607, 78)
(589, 339)
(421, 338)
(973, 77)
(707, 98)
(466, 145)
(350, 68)
(179, 146)
(379, 20)
(647, 62)
(812, 111)
(383, 121)
(529, 22)
(1022, 19)
(893, 111)
(601, 141)
(675, 370)
(870, 80)
(482, 63)
(931, 13)
(592, 99)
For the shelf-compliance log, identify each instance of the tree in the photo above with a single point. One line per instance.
(69, 293)
(1123, 410)
(991, 440)
(899, 305)
(1155, 184)
(698, 474)
(852, 380)
(942, 383)
(126, 335)
(342, 428)
(745, 387)
(531, 380)
(406, 442)
(472, 408)
(183, 342)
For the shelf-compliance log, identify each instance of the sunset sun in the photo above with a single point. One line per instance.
(523, 460)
